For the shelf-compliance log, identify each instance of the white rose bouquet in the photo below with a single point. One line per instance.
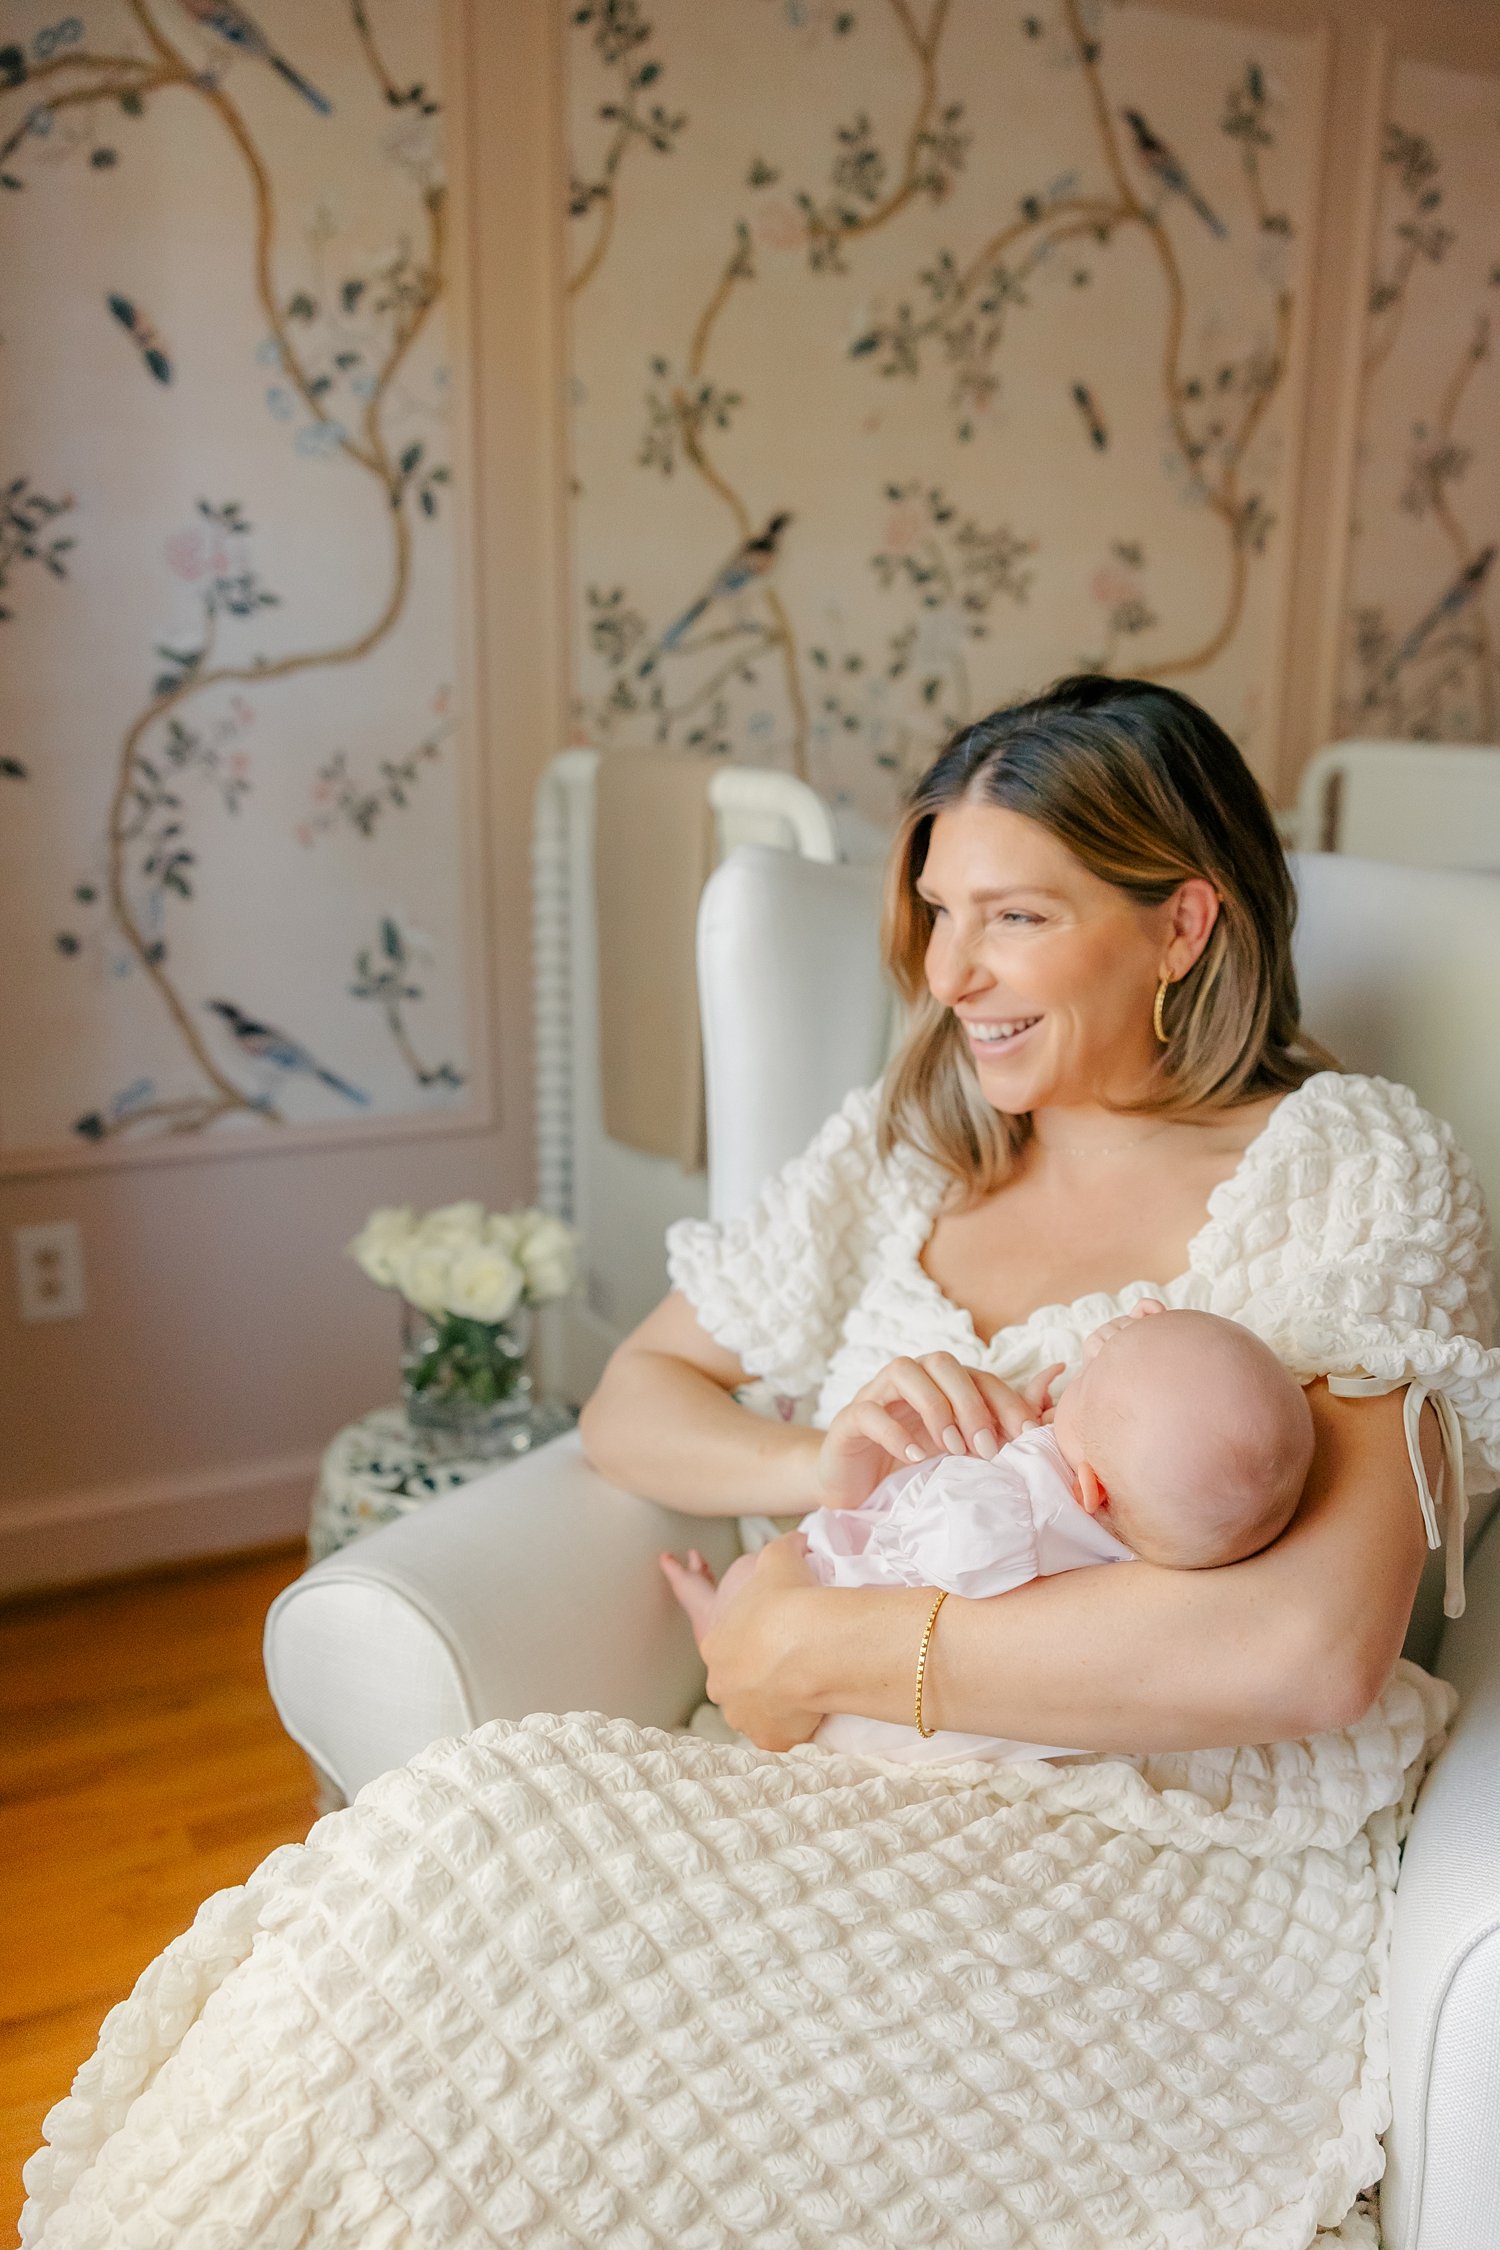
(472, 1273)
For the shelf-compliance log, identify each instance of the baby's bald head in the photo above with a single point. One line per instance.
(1199, 1438)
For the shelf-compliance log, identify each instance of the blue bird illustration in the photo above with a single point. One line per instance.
(240, 29)
(143, 336)
(1163, 165)
(263, 1043)
(755, 559)
(1463, 590)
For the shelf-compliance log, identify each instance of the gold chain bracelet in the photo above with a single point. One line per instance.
(927, 1732)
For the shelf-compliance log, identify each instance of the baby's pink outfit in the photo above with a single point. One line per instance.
(975, 1527)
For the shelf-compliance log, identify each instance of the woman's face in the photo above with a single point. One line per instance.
(1051, 972)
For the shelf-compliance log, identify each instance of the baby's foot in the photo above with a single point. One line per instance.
(695, 1587)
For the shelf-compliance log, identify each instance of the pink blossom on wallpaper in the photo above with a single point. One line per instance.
(781, 226)
(1112, 586)
(196, 552)
(905, 528)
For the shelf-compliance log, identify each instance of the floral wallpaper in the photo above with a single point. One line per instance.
(1422, 650)
(922, 350)
(230, 743)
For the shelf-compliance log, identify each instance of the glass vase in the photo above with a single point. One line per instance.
(464, 1381)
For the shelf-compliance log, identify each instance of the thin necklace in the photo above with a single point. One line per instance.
(1115, 1148)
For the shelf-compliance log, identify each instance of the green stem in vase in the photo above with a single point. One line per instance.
(474, 1359)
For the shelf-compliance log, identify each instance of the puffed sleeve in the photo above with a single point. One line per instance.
(1383, 1265)
(773, 1286)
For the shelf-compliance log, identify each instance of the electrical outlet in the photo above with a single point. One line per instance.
(49, 1271)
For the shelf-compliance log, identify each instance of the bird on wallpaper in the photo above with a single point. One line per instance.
(240, 30)
(1457, 599)
(262, 1043)
(1163, 165)
(1093, 420)
(755, 559)
(144, 337)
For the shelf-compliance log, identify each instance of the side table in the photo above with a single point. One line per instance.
(379, 1468)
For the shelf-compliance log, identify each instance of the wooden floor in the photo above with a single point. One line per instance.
(142, 1766)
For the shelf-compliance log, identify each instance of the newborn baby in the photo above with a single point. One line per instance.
(1182, 1441)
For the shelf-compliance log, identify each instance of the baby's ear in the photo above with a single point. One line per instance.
(1091, 1493)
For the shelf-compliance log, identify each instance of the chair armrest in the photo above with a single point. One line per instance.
(1442, 2185)
(533, 1588)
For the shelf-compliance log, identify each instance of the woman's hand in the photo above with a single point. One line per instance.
(917, 1407)
(751, 1646)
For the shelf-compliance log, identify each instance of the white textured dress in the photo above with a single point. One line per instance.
(1351, 1236)
(569, 1980)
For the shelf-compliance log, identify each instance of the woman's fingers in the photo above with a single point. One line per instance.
(978, 1421)
(749, 1641)
(878, 1423)
(915, 1408)
(1011, 1409)
(961, 1409)
(941, 1395)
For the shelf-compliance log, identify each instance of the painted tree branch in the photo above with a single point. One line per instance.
(1421, 234)
(618, 41)
(1045, 228)
(1480, 639)
(608, 211)
(370, 452)
(739, 268)
(393, 93)
(924, 45)
(144, 81)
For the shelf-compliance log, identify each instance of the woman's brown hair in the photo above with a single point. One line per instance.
(1146, 790)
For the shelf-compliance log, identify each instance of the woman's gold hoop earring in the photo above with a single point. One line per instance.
(1163, 1037)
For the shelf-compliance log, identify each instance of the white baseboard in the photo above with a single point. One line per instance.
(65, 1538)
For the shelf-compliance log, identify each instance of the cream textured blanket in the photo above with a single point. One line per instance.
(569, 1982)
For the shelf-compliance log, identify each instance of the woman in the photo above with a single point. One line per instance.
(1103, 1094)
(568, 1980)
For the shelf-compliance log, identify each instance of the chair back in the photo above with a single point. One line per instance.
(1399, 969)
(621, 1198)
(1421, 804)
(796, 1009)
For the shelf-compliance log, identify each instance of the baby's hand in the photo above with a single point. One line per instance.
(1040, 1394)
(694, 1585)
(1095, 1343)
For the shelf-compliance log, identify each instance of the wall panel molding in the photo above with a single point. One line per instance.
(1331, 415)
(225, 1324)
(243, 891)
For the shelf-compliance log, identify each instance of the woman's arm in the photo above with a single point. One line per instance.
(662, 1423)
(1129, 1658)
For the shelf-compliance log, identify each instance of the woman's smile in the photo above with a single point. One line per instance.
(992, 1039)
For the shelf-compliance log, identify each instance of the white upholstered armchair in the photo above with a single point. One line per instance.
(536, 1588)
